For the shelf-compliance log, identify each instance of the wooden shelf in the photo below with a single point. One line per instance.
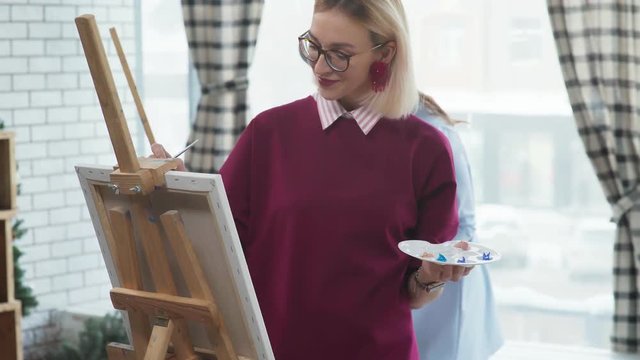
(7, 167)
(10, 308)
(8, 214)
(10, 330)
(7, 294)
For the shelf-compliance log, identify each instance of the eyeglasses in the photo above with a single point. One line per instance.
(337, 60)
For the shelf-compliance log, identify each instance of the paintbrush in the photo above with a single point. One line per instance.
(187, 148)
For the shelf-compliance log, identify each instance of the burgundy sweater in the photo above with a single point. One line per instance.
(320, 213)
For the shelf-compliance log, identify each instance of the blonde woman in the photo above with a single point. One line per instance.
(323, 189)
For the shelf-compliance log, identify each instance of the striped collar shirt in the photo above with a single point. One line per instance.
(331, 110)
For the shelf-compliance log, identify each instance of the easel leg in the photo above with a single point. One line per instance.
(196, 281)
(126, 261)
(153, 246)
(159, 342)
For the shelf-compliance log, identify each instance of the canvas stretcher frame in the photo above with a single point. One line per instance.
(203, 205)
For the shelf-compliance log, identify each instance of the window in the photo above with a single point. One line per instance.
(538, 199)
(526, 40)
(277, 75)
(166, 68)
(450, 45)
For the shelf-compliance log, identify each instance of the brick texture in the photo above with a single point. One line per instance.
(47, 98)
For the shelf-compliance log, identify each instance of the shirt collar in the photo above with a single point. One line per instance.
(331, 110)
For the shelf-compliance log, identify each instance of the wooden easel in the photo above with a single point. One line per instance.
(10, 308)
(156, 317)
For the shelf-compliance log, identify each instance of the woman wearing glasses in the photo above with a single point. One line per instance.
(324, 188)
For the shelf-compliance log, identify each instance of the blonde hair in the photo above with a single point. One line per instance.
(386, 21)
(434, 109)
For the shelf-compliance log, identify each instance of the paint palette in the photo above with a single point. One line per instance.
(455, 252)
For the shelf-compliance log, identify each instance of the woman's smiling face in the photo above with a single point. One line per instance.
(333, 30)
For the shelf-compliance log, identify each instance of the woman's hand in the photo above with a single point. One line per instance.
(432, 272)
(160, 153)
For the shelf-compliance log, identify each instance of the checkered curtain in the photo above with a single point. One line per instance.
(222, 36)
(598, 44)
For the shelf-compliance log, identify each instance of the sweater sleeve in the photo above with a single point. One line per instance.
(437, 215)
(437, 210)
(236, 175)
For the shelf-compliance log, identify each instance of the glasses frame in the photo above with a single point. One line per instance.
(306, 36)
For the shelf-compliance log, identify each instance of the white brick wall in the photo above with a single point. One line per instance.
(45, 30)
(29, 82)
(26, 13)
(4, 12)
(13, 31)
(47, 98)
(12, 65)
(5, 83)
(5, 47)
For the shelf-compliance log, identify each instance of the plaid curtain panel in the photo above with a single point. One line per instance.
(598, 44)
(222, 36)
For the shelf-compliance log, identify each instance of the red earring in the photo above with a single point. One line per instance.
(379, 73)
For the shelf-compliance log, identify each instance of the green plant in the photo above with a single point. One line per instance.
(23, 292)
(93, 340)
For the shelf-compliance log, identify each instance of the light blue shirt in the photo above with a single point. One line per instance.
(462, 323)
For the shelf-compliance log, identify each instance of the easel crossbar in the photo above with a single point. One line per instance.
(171, 306)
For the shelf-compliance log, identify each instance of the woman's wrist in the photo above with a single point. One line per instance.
(422, 292)
(426, 286)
